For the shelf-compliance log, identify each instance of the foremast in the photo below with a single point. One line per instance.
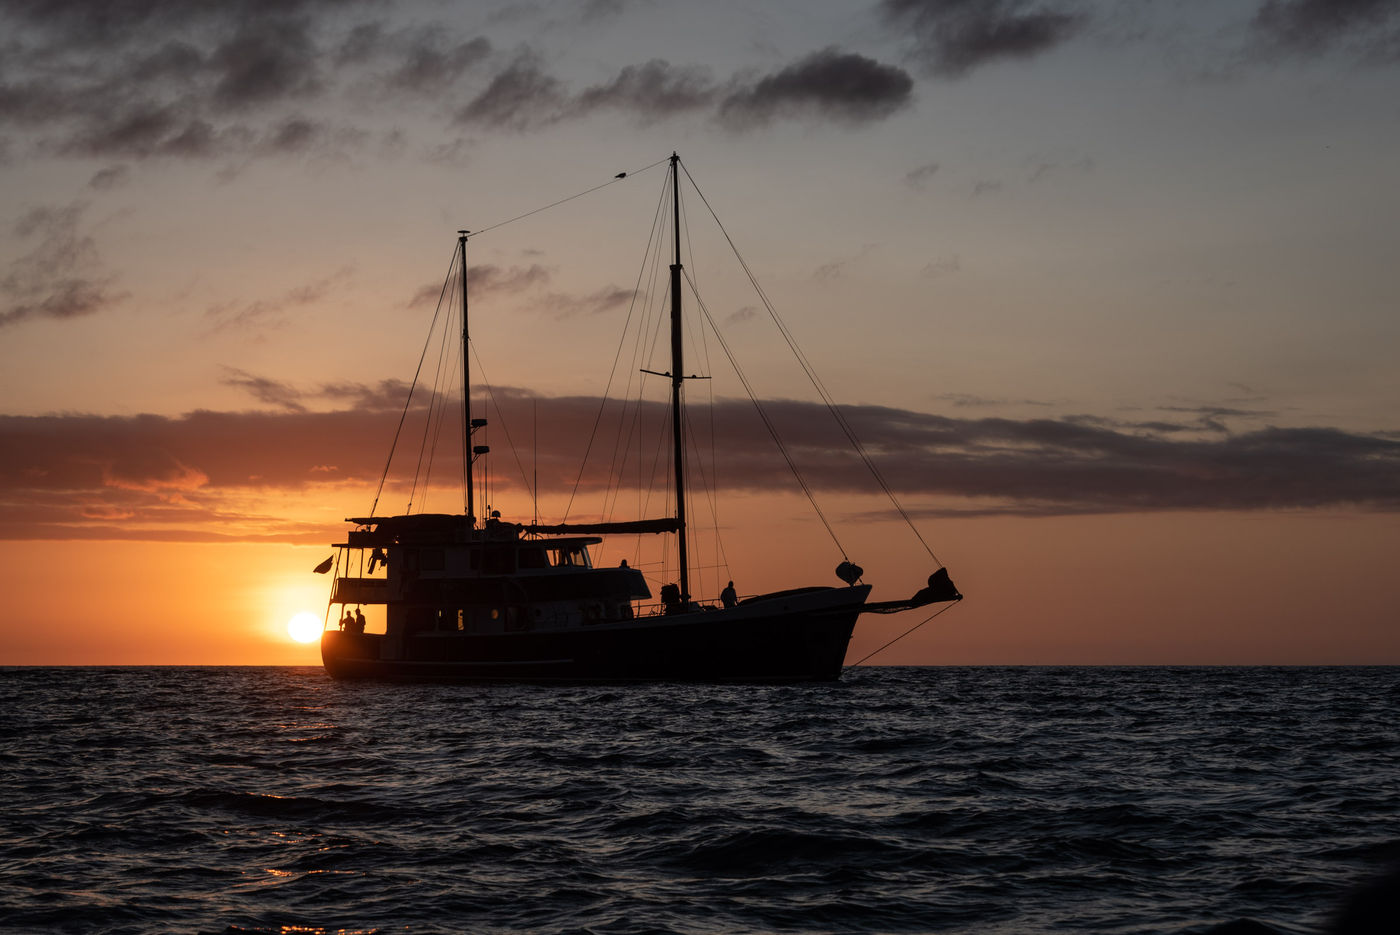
(469, 425)
(677, 379)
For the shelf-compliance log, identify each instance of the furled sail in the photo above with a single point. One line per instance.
(668, 524)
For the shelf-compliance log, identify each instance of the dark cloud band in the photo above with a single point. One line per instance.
(144, 467)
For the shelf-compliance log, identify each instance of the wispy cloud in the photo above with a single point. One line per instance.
(1310, 27)
(653, 91)
(953, 37)
(487, 279)
(829, 85)
(386, 395)
(273, 392)
(918, 178)
(430, 64)
(61, 276)
(523, 96)
(561, 305)
(272, 312)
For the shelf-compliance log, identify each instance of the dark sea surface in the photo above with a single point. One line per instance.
(947, 800)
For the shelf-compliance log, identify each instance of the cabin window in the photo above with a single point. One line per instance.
(499, 561)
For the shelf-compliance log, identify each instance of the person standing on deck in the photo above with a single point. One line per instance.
(727, 597)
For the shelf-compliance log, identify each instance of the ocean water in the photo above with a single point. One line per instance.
(940, 800)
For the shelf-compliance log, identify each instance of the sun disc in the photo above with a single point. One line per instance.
(305, 627)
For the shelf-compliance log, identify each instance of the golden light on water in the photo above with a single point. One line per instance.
(305, 627)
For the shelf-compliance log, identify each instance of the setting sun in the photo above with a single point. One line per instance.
(305, 627)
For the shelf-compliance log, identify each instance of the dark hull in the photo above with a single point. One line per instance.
(799, 645)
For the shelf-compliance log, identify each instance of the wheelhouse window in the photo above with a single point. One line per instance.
(571, 557)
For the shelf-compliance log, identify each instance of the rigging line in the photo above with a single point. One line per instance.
(407, 402)
(709, 486)
(901, 636)
(330, 598)
(611, 181)
(768, 423)
(617, 355)
(627, 429)
(697, 338)
(452, 365)
(501, 417)
(436, 404)
(807, 368)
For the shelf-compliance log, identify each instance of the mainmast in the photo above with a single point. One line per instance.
(467, 457)
(677, 369)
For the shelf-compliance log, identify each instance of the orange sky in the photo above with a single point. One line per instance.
(1108, 290)
(1181, 589)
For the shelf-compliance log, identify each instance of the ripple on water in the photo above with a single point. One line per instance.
(950, 800)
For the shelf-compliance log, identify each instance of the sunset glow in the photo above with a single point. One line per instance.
(1110, 306)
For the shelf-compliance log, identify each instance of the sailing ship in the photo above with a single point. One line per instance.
(478, 599)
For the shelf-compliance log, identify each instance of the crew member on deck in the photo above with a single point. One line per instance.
(347, 621)
(727, 597)
(359, 621)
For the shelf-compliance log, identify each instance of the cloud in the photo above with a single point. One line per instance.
(836, 269)
(294, 135)
(269, 59)
(262, 313)
(837, 85)
(432, 65)
(187, 475)
(229, 81)
(1045, 167)
(272, 392)
(520, 97)
(1311, 27)
(829, 84)
(918, 178)
(485, 279)
(953, 37)
(144, 79)
(61, 277)
(941, 266)
(653, 91)
(491, 279)
(109, 178)
(386, 395)
(560, 306)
